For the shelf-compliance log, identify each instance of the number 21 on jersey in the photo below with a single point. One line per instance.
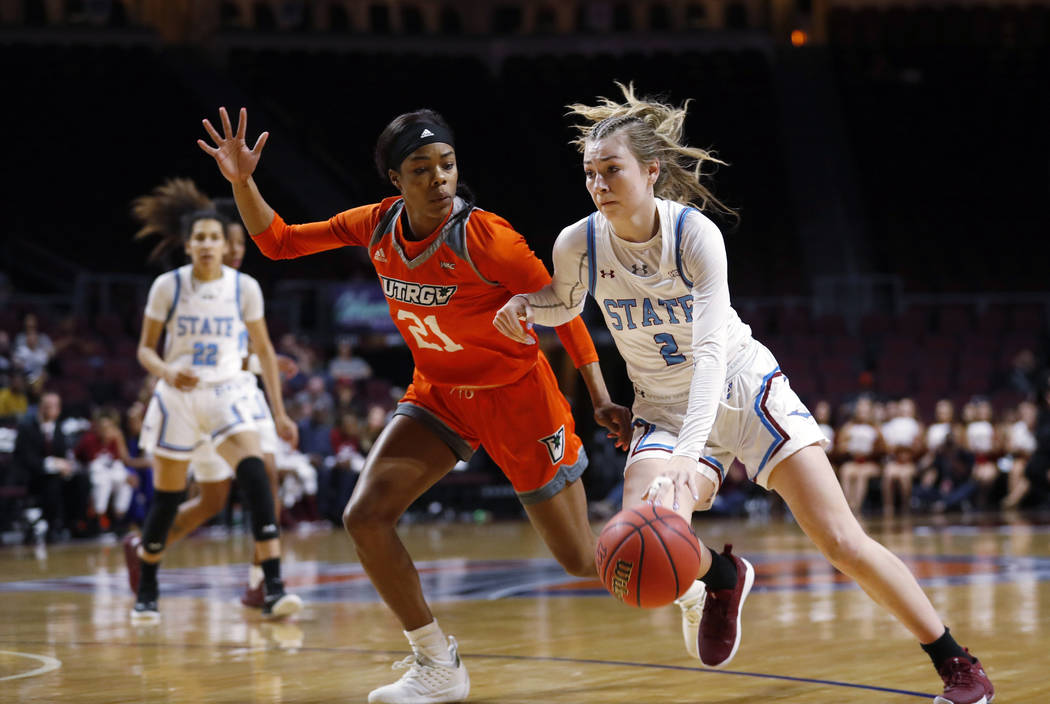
(422, 329)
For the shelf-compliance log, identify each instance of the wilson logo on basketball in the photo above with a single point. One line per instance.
(621, 577)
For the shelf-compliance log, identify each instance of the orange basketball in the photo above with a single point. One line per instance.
(647, 556)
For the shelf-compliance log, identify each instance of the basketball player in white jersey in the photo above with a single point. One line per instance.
(208, 313)
(161, 212)
(705, 390)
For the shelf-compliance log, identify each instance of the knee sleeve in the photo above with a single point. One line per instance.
(159, 520)
(255, 487)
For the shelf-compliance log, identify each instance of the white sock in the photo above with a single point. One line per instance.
(431, 641)
(255, 576)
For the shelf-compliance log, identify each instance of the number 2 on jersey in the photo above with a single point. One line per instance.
(419, 330)
(669, 348)
(204, 354)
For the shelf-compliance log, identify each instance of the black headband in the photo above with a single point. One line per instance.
(414, 136)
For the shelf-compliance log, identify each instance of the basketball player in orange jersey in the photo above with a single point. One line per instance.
(706, 391)
(446, 267)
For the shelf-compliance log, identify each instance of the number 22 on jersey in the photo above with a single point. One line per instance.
(422, 329)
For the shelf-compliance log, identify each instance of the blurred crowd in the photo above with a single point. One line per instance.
(71, 467)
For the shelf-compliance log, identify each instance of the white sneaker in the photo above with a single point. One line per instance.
(426, 682)
(692, 605)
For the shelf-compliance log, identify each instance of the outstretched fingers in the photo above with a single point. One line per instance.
(227, 128)
(242, 123)
(260, 143)
(211, 131)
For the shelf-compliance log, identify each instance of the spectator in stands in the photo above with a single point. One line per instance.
(33, 352)
(947, 482)
(100, 449)
(1021, 376)
(30, 324)
(348, 399)
(984, 444)
(1019, 444)
(338, 475)
(1037, 472)
(138, 462)
(375, 421)
(315, 432)
(5, 352)
(345, 365)
(941, 429)
(903, 435)
(42, 459)
(315, 397)
(14, 401)
(860, 445)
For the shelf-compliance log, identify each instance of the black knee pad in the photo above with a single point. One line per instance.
(255, 487)
(158, 522)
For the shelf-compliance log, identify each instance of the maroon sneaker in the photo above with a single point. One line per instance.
(720, 624)
(131, 544)
(964, 682)
(253, 598)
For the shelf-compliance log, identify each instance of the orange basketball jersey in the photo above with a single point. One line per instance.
(444, 290)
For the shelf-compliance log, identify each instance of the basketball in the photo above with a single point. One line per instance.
(647, 556)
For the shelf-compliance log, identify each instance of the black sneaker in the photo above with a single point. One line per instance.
(279, 603)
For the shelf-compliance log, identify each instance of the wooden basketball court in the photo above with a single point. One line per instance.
(527, 632)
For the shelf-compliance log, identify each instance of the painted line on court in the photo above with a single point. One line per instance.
(522, 658)
(48, 665)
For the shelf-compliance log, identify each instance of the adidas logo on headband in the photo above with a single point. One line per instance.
(425, 133)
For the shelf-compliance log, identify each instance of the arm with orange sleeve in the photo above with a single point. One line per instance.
(349, 228)
(505, 254)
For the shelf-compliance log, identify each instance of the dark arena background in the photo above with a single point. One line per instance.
(889, 162)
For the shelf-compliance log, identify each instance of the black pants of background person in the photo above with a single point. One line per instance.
(1036, 471)
(63, 502)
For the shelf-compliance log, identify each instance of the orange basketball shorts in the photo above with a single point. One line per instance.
(526, 427)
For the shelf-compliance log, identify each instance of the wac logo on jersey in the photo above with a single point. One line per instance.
(418, 294)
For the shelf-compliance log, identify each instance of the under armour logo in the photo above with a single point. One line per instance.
(555, 444)
(448, 265)
(379, 256)
(425, 133)
(155, 547)
(608, 273)
(801, 413)
(642, 269)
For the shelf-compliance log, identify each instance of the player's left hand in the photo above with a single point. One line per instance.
(617, 420)
(287, 429)
(509, 318)
(684, 487)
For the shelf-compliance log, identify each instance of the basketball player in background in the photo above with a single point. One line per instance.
(208, 313)
(657, 268)
(446, 267)
(160, 213)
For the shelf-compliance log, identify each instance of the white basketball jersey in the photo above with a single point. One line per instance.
(936, 435)
(650, 313)
(860, 439)
(980, 435)
(901, 431)
(204, 325)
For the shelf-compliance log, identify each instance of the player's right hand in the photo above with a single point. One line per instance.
(183, 379)
(236, 161)
(508, 319)
(286, 429)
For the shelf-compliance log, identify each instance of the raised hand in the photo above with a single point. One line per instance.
(236, 161)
